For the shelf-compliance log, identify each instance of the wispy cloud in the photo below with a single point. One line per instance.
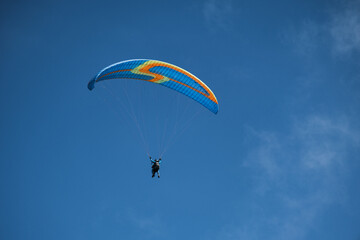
(340, 34)
(301, 173)
(305, 40)
(345, 31)
(325, 142)
(218, 14)
(149, 226)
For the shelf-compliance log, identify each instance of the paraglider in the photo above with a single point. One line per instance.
(155, 166)
(164, 74)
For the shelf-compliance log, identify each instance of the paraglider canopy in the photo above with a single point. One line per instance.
(161, 73)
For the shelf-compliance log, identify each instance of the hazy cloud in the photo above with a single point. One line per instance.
(302, 172)
(305, 40)
(218, 14)
(151, 226)
(345, 31)
(324, 142)
(340, 34)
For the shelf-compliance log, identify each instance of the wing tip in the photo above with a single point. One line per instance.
(215, 110)
(91, 84)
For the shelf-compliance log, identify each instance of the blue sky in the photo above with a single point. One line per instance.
(279, 161)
